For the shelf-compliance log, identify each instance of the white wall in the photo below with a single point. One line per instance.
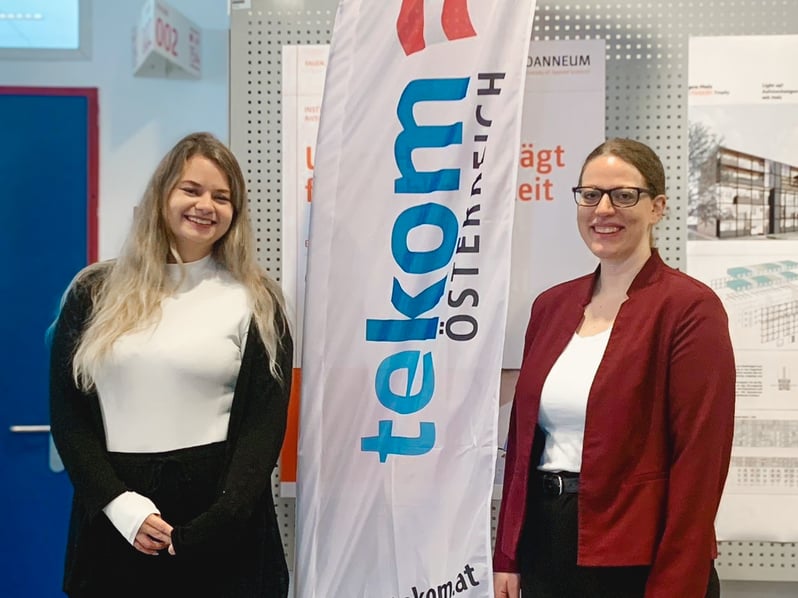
(140, 118)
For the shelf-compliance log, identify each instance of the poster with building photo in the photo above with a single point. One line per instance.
(743, 242)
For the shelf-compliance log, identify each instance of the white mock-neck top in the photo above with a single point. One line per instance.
(170, 386)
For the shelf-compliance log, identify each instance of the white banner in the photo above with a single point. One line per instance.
(415, 180)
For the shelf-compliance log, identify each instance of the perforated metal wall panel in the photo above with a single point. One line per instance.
(646, 45)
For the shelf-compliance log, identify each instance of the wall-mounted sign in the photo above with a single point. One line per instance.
(166, 43)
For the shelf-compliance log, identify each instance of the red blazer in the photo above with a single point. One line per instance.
(658, 428)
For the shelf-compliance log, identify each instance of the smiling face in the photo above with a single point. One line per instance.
(199, 210)
(618, 236)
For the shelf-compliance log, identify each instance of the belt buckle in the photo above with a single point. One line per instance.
(560, 487)
(548, 484)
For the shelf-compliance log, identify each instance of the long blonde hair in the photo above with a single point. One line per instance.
(129, 296)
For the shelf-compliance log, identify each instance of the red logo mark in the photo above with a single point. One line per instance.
(455, 20)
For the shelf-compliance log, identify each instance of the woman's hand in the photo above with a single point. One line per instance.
(153, 535)
(506, 585)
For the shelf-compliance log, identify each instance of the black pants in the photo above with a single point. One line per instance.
(547, 557)
(182, 483)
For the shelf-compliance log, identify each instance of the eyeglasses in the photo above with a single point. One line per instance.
(620, 197)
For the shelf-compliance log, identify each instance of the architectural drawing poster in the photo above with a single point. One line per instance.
(743, 241)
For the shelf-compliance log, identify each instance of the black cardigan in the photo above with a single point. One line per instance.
(255, 436)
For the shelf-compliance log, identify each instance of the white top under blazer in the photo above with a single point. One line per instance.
(563, 401)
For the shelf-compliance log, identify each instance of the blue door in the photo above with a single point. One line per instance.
(48, 177)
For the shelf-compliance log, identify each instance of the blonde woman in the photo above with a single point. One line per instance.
(170, 376)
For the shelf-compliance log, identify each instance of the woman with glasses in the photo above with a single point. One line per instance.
(169, 380)
(621, 430)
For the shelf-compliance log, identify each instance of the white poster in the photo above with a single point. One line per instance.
(563, 120)
(407, 285)
(304, 68)
(743, 242)
(563, 79)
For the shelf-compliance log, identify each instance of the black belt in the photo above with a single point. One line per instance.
(555, 484)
